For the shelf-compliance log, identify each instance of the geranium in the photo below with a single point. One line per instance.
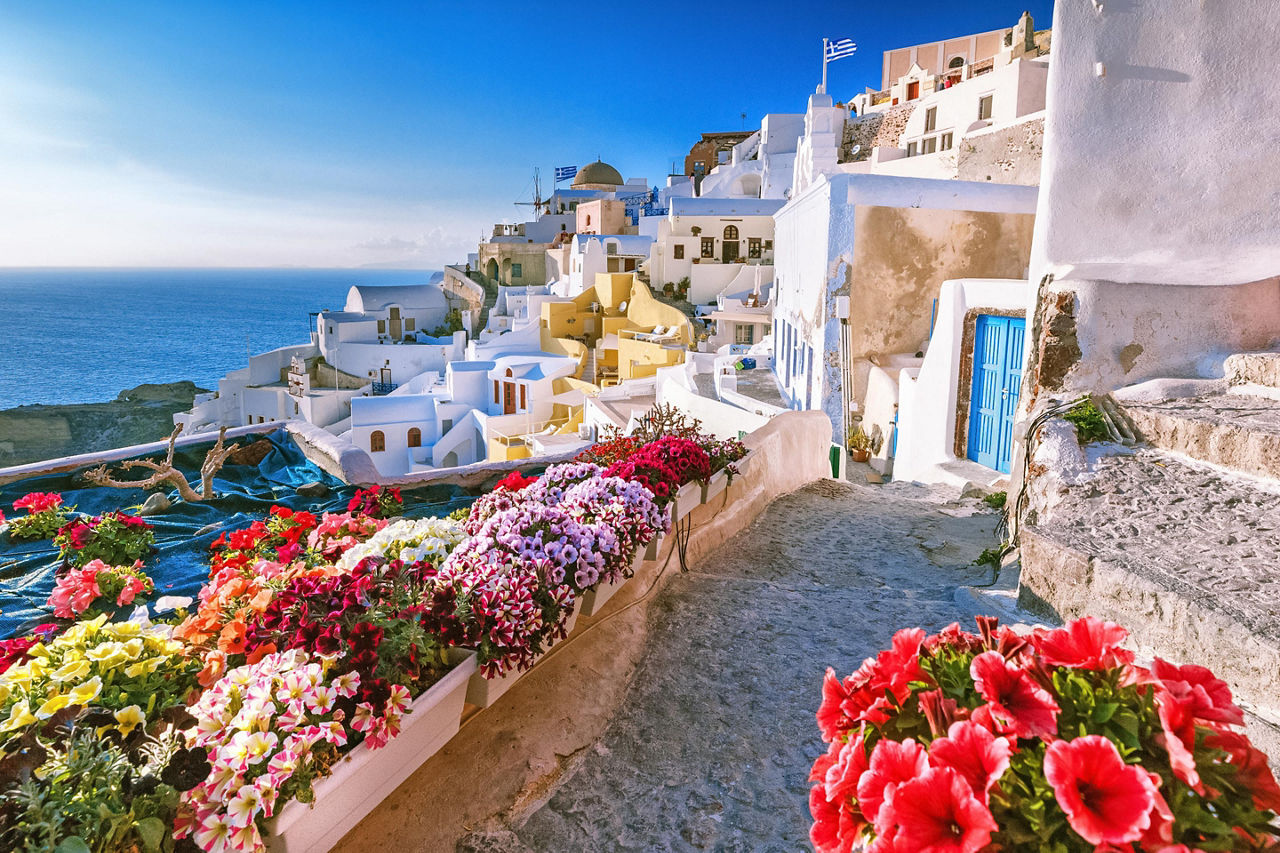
(336, 534)
(115, 538)
(513, 482)
(45, 514)
(1105, 800)
(958, 741)
(77, 590)
(377, 502)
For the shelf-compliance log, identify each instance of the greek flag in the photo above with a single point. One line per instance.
(840, 48)
(564, 173)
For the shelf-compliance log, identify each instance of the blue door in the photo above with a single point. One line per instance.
(997, 381)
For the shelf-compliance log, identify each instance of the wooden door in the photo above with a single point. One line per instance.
(730, 251)
(913, 90)
(395, 324)
(508, 398)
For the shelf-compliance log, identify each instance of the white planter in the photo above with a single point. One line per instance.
(688, 497)
(483, 692)
(593, 599)
(715, 486)
(365, 777)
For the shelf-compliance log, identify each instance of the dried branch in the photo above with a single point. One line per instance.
(165, 472)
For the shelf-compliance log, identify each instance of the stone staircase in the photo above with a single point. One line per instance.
(589, 366)
(1178, 538)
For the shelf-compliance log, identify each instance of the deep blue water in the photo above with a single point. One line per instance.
(85, 335)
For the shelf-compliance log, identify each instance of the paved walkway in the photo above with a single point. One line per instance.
(713, 742)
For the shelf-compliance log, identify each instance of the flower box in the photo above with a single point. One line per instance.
(483, 692)
(364, 777)
(713, 487)
(688, 497)
(654, 548)
(595, 598)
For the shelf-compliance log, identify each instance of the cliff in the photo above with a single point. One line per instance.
(141, 414)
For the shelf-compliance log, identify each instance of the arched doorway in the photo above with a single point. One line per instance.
(491, 269)
(415, 437)
(377, 441)
(730, 243)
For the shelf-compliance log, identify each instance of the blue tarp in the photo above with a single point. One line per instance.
(180, 564)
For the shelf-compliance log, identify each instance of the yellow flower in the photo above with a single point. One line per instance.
(4, 692)
(133, 648)
(130, 718)
(85, 693)
(76, 670)
(19, 715)
(51, 706)
(39, 650)
(20, 676)
(124, 630)
(109, 655)
(144, 667)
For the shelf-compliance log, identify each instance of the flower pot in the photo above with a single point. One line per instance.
(364, 777)
(714, 486)
(483, 692)
(654, 548)
(595, 598)
(687, 497)
(859, 455)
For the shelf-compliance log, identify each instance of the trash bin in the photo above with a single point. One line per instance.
(748, 363)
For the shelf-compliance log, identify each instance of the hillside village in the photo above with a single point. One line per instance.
(998, 337)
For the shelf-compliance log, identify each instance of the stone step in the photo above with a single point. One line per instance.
(1253, 368)
(1182, 555)
(1234, 430)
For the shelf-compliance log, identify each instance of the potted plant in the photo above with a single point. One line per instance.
(859, 445)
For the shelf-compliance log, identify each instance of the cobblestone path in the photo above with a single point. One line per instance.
(712, 746)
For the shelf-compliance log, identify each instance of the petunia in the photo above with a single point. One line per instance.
(1252, 768)
(1086, 643)
(86, 692)
(975, 753)
(52, 705)
(1178, 736)
(892, 763)
(937, 812)
(1014, 697)
(1199, 691)
(129, 717)
(1104, 799)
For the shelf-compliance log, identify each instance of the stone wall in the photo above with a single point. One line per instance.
(876, 129)
(1010, 155)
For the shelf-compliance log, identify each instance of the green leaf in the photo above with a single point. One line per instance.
(1105, 711)
(74, 844)
(151, 832)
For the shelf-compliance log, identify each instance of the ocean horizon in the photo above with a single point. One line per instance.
(83, 335)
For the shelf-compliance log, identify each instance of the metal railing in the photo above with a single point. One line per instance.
(383, 388)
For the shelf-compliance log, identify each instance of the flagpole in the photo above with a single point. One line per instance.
(823, 90)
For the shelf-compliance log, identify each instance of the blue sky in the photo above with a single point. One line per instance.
(320, 134)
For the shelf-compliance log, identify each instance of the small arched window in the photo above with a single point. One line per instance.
(509, 373)
(415, 437)
(377, 441)
(731, 232)
(956, 62)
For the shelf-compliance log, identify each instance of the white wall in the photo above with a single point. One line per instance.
(927, 398)
(1161, 170)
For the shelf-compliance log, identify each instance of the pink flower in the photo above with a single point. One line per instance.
(892, 763)
(937, 812)
(38, 502)
(1178, 736)
(1014, 697)
(975, 753)
(1105, 800)
(132, 586)
(1086, 643)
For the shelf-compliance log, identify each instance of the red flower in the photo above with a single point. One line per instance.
(1202, 695)
(1252, 769)
(841, 779)
(892, 763)
(825, 832)
(36, 502)
(975, 753)
(514, 482)
(1105, 800)
(1178, 737)
(1014, 697)
(937, 813)
(832, 720)
(1086, 643)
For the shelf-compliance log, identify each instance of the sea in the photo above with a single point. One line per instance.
(84, 335)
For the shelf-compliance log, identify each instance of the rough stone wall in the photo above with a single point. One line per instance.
(1008, 156)
(877, 129)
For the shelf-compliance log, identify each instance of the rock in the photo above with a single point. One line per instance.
(314, 489)
(156, 504)
(251, 454)
(208, 528)
(972, 490)
(933, 544)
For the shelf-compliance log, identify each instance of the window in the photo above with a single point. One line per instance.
(768, 245)
(496, 391)
(588, 219)
(930, 119)
(611, 248)
(722, 156)
(382, 327)
(731, 232)
(677, 251)
(446, 425)
(753, 247)
(523, 401)
(377, 441)
(708, 247)
(911, 149)
(945, 143)
(515, 271)
(331, 330)
(984, 107)
(415, 437)
(744, 334)
(956, 62)
(409, 324)
(929, 145)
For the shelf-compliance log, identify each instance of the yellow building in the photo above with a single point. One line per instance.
(621, 331)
